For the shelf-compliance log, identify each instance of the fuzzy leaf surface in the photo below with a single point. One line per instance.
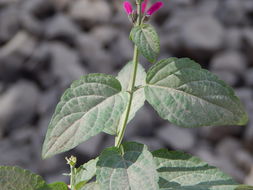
(147, 41)
(57, 186)
(180, 171)
(124, 77)
(91, 186)
(189, 96)
(13, 178)
(85, 172)
(90, 105)
(132, 169)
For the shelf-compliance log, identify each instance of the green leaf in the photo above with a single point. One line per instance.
(180, 171)
(90, 105)
(139, 95)
(58, 186)
(147, 41)
(91, 186)
(15, 178)
(188, 96)
(244, 187)
(85, 173)
(131, 167)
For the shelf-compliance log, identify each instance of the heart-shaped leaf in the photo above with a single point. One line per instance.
(147, 41)
(90, 105)
(131, 167)
(188, 96)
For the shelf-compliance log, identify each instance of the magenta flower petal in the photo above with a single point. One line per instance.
(128, 7)
(143, 6)
(155, 7)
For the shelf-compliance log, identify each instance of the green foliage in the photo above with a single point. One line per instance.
(244, 187)
(188, 96)
(90, 105)
(138, 95)
(91, 186)
(15, 178)
(147, 41)
(180, 171)
(57, 186)
(85, 173)
(129, 167)
(178, 89)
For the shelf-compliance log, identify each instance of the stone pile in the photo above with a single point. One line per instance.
(46, 44)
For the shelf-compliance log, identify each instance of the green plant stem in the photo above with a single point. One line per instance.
(72, 177)
(120, 136)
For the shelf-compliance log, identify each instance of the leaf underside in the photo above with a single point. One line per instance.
(189, 96)
(90, 105)
(85, 172)
(134, 169)
(180, 171)
(147, 41)
(91, 186)
(138, 96)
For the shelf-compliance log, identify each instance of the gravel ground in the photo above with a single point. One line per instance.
(46, 44)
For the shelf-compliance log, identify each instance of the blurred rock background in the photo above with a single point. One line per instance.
(46, 44)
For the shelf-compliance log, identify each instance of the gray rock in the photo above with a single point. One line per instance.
(15, 154)
(1, 87)
(51, 165)
(22, 135)
(234, 39)
(231, 12)
(33, 14)
(203, 33)
(227, 149)
(65, 64)
(246, 96)
(90, 147)
(18, 105)
(90, 11)
(104, 34)
(217, 133)
(48, 100)
(247, 35)
(91, 52)
(232, 61)
(249, 179)
(249, 77)
(10, 26)
(61, 4)
(123, 48)
(61, 27)
(178, 138)
(208, 7)
(141, 125)
(227, 76)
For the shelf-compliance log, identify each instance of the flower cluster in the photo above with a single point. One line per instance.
(133, 14)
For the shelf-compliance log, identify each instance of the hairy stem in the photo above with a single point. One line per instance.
(72, 176)
(120, 135)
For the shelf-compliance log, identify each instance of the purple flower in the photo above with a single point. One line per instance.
(143, 6)
(145, 14)
(128, 7)
(155, 7)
